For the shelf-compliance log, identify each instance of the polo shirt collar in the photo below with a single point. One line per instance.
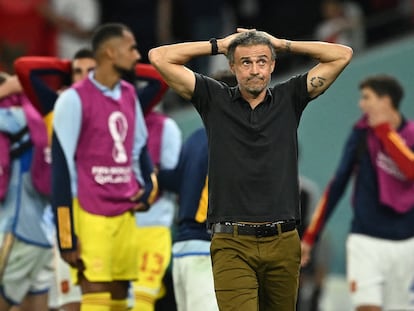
(238, 96)
(114, 93)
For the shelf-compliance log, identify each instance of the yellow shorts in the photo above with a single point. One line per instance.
(109, 245)
(154, 259)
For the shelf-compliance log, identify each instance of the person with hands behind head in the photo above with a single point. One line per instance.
(379, 155)
(101, 172)
(253, 206)
(43, 79)
(25, 245)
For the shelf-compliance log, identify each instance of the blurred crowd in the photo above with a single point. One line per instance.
(53, 27)
(61, 28)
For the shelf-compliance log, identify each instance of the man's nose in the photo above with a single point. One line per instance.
(254, 68)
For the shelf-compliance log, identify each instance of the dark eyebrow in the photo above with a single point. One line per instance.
(259, 57)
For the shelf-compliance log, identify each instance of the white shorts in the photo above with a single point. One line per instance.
(381, 272)
(193, 283)
(63, 290)
(27, 271)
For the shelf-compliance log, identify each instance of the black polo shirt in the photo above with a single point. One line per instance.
(253, 173)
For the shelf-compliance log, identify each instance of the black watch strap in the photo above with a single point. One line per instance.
(214, 46)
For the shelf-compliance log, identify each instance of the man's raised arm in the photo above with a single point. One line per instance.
(169, 60)
(332, 58)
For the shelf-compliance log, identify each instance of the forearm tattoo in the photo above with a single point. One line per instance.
(287, 45)
(317, 82)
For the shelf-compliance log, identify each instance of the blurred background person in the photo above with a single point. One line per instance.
(312, 276)
(192, 270)
(342, 22)
(26, 246)
(379, 154)
(24, 30)
(75, 21)
(33, 73)
(154, 225)
(149, 20)
(199, 20)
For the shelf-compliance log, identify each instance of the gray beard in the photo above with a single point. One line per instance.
(254, 92)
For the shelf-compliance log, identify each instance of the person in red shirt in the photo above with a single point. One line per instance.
(15, 37)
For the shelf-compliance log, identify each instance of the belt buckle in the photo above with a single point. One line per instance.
(262, 231)
(267, 230)
(259, 232)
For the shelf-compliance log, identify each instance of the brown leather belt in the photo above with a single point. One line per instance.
(259, 230)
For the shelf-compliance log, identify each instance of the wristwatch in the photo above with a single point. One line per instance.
(214, 47)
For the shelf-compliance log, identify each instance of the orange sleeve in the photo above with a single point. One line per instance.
(395, 146)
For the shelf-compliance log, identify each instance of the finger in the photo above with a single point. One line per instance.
(138, 195)
(304, 261)
(140, 207)
(80, 265)
(240, 29)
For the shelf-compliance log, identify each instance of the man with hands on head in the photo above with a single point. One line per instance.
(253, 175)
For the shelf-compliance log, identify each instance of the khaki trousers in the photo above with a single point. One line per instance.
(256, 273)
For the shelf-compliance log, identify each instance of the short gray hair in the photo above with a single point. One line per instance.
(249, 38)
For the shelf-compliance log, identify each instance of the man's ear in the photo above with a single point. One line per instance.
(231, 66)
(109, 52)
(386, 100)
(108, 49)
(273, 66)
